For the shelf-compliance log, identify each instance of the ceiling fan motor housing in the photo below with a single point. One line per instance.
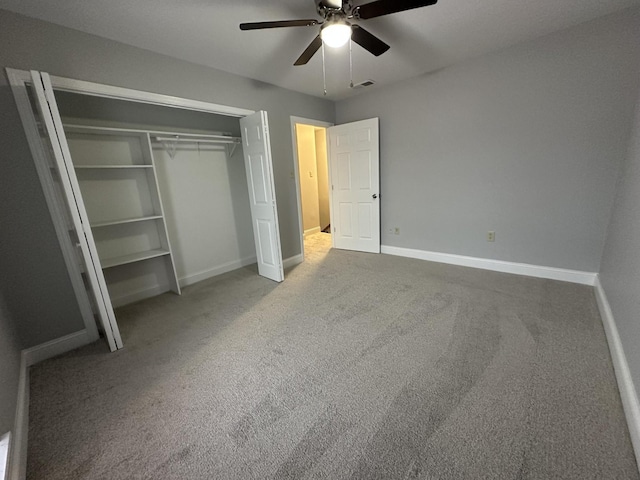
(327, 8)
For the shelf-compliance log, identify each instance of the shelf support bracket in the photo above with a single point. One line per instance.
(170, 147)
(231, 149)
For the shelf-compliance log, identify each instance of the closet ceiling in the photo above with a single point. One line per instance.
(423, 40)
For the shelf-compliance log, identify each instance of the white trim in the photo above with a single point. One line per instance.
(120, 93)
(627, 389)
(291, 261)
(311, 231)
(296, 170)
(215, 271)
(17, 468)
(55, 347)
(5, 447)
(539, 271)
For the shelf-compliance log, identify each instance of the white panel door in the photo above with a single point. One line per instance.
(262, 194)
(354, 160)
(65, 173)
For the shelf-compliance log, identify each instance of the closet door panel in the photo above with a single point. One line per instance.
(258, 162)
(50, 118)
(59, 208)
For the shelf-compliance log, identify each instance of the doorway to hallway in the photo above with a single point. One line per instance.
(312, 180)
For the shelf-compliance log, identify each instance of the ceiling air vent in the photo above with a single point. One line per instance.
(366, 83)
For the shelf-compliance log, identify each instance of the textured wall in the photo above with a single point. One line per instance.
(526, 142)
(37, 287)
(620, 271)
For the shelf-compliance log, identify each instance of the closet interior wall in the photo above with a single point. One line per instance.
(203, 190)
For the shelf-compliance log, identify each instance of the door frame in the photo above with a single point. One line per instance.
(296, 169)
(18, 80)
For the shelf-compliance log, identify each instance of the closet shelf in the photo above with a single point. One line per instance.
(132, 258)
(126, 220)
(111, 166)
(217, 136)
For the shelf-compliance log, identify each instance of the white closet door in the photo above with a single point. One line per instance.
(262, 194)
(50, 118)
(354, 160)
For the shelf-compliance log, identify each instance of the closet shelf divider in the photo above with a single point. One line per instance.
(126, 220)
(133, 257)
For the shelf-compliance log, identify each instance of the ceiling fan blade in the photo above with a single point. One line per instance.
(385, 7)
(313, 47)
(368, 41)
(278, 24)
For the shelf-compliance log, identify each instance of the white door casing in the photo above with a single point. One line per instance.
(264, 213)
(354, 166)
(48, 110)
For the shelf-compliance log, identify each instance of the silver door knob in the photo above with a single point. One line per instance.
(375, 195)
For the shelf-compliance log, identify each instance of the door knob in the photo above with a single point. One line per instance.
(375, 195)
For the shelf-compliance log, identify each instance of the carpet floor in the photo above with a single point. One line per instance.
(357, 366)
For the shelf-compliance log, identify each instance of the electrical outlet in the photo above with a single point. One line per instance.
(396, 230)
(491, 236)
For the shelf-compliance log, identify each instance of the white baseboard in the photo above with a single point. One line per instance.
(183, 281)
(55, 347)
(311, 231)
(17, 467)
(573, 276)
(291, 261)
(215, 271)
(627, 389)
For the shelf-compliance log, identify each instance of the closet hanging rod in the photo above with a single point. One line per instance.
(178, 138)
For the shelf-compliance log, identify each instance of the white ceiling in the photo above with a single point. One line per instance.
(422, 40)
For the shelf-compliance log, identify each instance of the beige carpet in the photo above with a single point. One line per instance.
(357, 366)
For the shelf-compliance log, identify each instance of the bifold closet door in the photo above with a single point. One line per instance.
(64, 173)
(262, 194)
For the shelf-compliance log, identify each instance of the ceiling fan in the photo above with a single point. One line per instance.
(336, 29)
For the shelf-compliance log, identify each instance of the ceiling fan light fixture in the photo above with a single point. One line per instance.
(335, 34)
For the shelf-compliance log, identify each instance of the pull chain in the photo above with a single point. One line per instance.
(350, 66)
(324, 73)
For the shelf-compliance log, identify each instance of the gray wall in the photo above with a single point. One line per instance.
(620, 271)
(9, 369)
(45, 309)
(526, 142)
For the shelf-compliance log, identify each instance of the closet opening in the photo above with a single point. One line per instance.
(183, 192)
(312, 181)
(148, 193)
